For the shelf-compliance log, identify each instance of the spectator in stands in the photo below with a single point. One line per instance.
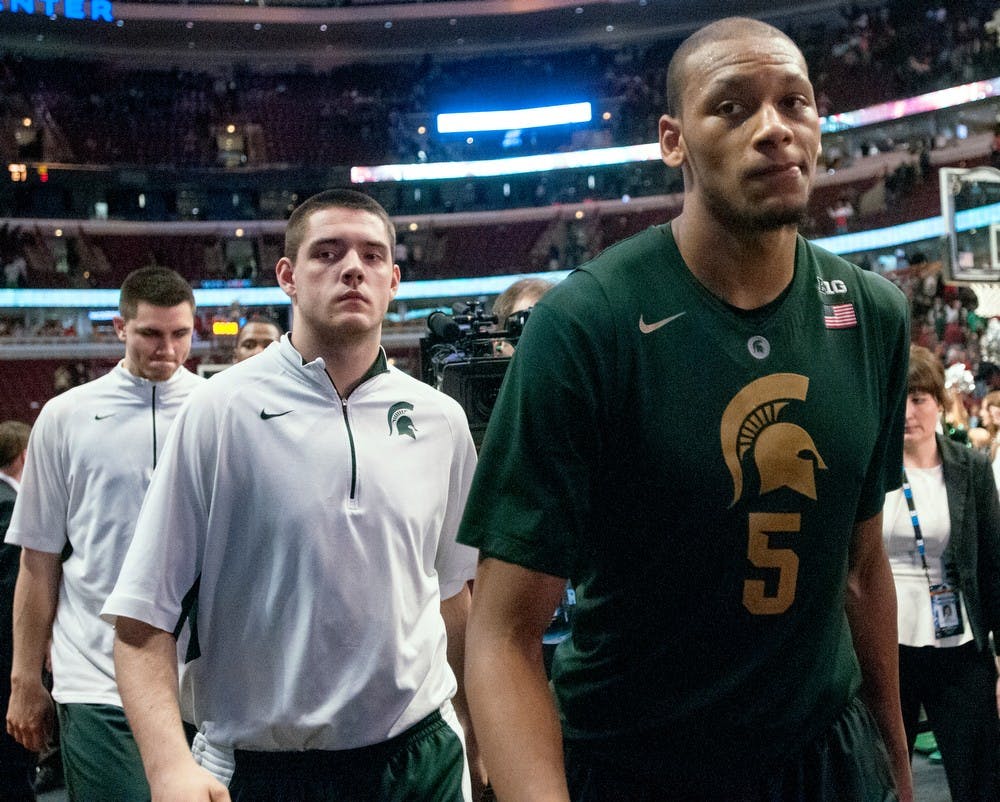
(995, 148)
(841, 213)
(554, 258)
(69, 375)
(91, 454)
(257, 333)
(955, 327)
(990, 419)
(17, 764)
(644, 444)
(16, 272)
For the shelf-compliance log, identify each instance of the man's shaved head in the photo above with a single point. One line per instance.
(718, 31)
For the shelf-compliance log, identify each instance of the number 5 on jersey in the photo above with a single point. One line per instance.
(785, 561)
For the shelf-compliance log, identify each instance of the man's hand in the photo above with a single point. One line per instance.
(187, 783)
(870, 605)
(30, 714)
(516, 721)
(455, 612)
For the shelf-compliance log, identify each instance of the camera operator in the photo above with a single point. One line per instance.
(518, 297)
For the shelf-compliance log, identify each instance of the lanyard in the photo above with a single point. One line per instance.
(908, 495)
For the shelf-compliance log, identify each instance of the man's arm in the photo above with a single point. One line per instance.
(509, 696)
(31, 711)
(146, 668)
(871, 613)
(455, 612)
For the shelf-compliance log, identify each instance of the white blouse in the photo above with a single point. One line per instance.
(914, 618)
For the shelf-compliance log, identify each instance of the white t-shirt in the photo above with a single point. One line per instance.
(914, 618)
(322, 536)
(91, 454)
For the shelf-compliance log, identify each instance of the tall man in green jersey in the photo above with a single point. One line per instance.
(698, 429)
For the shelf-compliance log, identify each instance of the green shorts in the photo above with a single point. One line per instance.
(425, 763)
(100, 758)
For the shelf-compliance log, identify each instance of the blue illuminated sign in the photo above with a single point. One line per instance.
(70, 9)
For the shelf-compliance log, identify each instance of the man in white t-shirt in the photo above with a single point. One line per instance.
(90, 457)
(330, 595)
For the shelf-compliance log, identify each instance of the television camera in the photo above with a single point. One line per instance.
(463, 355)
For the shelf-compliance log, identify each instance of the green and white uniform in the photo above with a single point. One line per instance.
(697, 472)
(319, 533)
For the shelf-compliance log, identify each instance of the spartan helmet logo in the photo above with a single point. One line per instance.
(400, 421)
(784, 453)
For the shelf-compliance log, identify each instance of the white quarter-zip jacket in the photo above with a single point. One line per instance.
(318, 535)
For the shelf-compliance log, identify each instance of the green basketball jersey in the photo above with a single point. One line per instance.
(697, 472)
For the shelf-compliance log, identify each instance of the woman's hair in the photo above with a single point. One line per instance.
(530, 288)
(926, 374)
(991, 399)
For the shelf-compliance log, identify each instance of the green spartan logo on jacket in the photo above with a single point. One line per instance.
(400, 421)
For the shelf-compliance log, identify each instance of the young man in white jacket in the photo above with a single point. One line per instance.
(90, 458)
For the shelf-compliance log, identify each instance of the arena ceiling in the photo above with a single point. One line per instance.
(283, 36)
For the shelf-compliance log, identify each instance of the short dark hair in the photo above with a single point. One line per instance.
(926, 374)
(13, 441)
(336, 199)
(267, 320)
(718, 31)
(159, 286)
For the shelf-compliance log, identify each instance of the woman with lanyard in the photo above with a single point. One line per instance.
(942, 533)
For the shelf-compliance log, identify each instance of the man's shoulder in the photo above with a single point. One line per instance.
(959, 454)
(831, 267)
(240, 375)
(396, 394)
(74, 398)
(259, 384)
(397, 382)
(187, 380)
(631, 267)
(627, 255)
(874, 298)
(204, 396)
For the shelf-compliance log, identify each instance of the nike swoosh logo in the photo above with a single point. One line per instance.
(102, 417)
(649, 328)
(268, 415)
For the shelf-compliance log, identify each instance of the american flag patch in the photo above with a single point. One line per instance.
(839, 316)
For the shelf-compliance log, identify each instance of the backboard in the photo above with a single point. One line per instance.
(970, 210)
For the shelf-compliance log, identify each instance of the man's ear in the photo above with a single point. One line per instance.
(671, 141)
(119, 323)
(284, 270)
(394, 285)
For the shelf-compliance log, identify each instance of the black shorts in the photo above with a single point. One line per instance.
(846, 763)
(422, 764)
